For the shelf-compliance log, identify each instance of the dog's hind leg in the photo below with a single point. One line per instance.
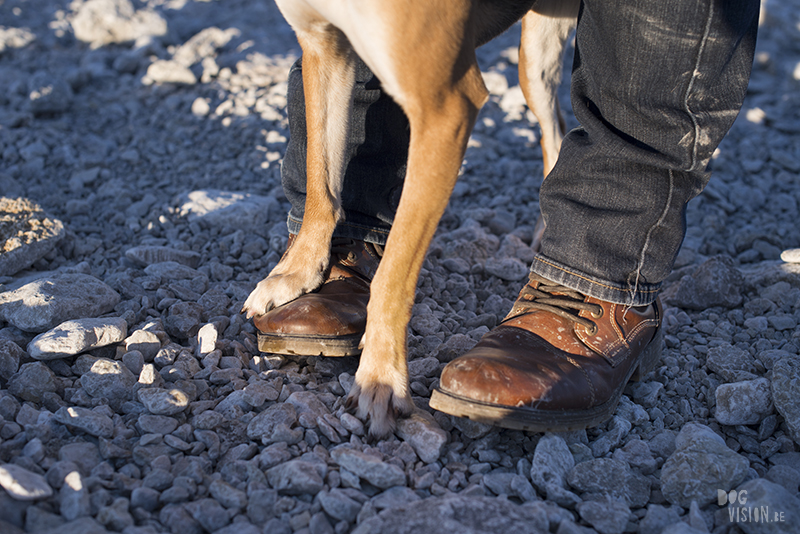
(328, 78)
(441, 94)
(545, 30)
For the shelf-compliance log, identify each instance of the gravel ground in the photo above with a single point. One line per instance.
(140, 147)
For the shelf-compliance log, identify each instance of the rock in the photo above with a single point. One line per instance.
(157, 424)
(552, 461)
(203, 44)
(148, 343)
(160, 401)
(457, 515)
(45, 303)
(374, 470)
(295, 477)
(760, 497)
(74, 497)
(169, 71)
(49, 94)
(608, 517)
(785, 388)
(732, 364)
(22, 484)
(109, 379)
(74, 337)
(15, 38)
(510, 269)
(269, 424)
(10, 355)
(338, 505)
(184, 319)
(228, 209)
(613, 478)
(700, 465)
(307, 402)
(88, 421)
(227, 495)
(658, 518)
(743, 403)
(84, 454)
(209, 513)
(82, 525)
(423, 433)
(791, 255)
(102, 22)
(716, 282)
(32, 382)
(147, 255)
(26, 234)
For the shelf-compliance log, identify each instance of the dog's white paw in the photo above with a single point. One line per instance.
(278, 289)
(379, 401)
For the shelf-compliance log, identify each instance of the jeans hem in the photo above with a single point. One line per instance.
(637, 294)
(347, 230)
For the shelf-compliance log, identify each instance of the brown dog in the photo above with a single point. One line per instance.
(424, 55)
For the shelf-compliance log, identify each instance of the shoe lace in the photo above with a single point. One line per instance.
(557, 299)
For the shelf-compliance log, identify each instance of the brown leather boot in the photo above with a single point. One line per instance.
(331, 320)
(559, 361)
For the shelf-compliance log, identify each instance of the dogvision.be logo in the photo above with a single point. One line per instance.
(740, 512)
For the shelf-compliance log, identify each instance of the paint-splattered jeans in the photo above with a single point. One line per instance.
(656, 84)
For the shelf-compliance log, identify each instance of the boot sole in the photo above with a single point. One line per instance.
(534, 420)
(310, 345)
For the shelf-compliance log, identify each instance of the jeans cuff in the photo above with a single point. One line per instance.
(629, 294)
(347, 230)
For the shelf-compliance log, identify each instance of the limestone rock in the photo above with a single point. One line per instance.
(26, 234)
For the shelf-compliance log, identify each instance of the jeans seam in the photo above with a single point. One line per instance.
(658, 223)
(695, 75)
(593, 282)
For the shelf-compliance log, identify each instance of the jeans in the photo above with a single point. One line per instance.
(656, 84)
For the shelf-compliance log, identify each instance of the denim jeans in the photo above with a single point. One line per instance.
(656, 84)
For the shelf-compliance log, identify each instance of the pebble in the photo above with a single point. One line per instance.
(607, 517)
(32, 382)
(159, 401)
(45, 303)
(375, 471)
(295, 477)
(109, 379)
(700, 465)
(22, 484)
(743, 403)
(85, 420)
(28, 234)
(612, 478)
(74, 337)
(424, 435)
(716, 282)
(785, 386)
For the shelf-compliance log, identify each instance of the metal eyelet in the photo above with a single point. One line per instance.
(593, 330)
(599, 314)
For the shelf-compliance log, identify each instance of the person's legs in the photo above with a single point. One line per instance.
(656, 85)
(377, 154)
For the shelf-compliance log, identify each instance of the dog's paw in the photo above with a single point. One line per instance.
(380, 405)
(278, 289)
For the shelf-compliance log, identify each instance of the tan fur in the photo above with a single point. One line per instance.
(424, 55)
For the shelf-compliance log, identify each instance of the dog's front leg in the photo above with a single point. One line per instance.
(441, 117)
(328, 78)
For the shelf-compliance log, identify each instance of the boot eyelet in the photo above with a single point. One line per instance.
(597, 315)
(592, 330)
